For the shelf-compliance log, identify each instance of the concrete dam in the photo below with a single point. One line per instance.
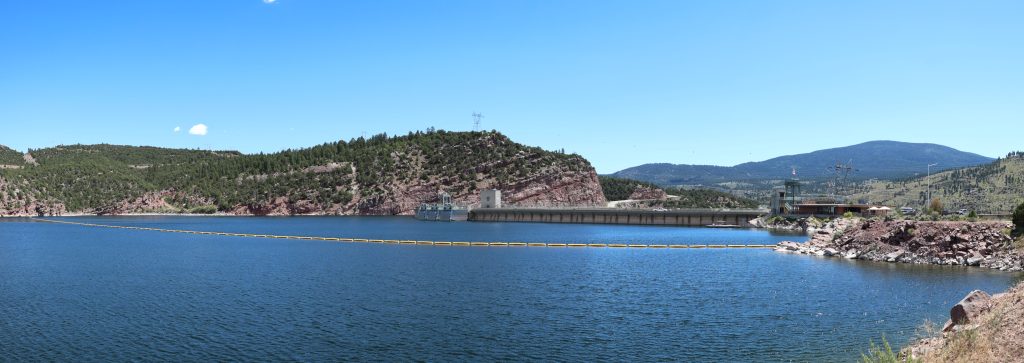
(682, 217)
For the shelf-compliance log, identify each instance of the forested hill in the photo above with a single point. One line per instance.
(649, 195)
(379, 175)
(10, 157)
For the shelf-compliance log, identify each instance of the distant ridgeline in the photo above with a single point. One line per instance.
(875, 159)
(996, 187)
(629, 189)
(381, 175)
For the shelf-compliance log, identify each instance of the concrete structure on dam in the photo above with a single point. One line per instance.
(682, 217)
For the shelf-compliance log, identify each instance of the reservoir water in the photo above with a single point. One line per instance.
(96, 294)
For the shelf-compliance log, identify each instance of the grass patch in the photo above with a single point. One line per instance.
(883, 354)
(927, 329)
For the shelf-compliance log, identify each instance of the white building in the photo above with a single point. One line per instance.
(490, 198)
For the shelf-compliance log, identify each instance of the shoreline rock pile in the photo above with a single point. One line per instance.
(983, 244)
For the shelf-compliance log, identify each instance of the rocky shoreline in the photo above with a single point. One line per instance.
(982, 244)
(981, 328)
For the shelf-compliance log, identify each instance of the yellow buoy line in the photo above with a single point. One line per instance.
(413, 242)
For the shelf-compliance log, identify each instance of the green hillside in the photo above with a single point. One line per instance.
(996, 187)
(621, 189)
(379, 175)
(10, 156)
(706, 198)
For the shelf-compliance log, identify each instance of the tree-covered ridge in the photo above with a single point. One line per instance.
(379, 175)
(706, 198)
(333, 173)
(10, 156)
(138, 156)
(621, 188)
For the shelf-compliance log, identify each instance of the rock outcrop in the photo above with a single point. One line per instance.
(551, 187)
(644, 192)
(969, 310)
(981, 328)
(155, 202)
(984, 244)
(18, 201)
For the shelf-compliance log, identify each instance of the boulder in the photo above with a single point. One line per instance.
(893, 257)
(788, 246)
(969, 309)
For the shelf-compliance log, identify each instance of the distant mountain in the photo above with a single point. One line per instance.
(874, 159)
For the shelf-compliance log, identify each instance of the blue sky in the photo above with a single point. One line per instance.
(620, 82)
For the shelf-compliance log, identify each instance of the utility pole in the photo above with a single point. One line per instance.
(927, 203)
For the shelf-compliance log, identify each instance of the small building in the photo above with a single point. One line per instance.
(490, 198)
(829, 209)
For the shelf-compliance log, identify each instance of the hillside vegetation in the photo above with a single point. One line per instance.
(706, 198)
(379, 175)
(996, 187)
(9, 156)
(624, 189)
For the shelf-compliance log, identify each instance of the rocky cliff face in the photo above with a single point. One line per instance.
(17, 200)
(555, 185)
(164, 201)
(552, 186)
(644, 192)
(985, 244)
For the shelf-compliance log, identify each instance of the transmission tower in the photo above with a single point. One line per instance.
(476, 120)
(838, 178)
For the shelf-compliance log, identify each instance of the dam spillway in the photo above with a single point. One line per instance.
(680, 217)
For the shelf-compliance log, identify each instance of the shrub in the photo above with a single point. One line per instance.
(883, 354)
(848, 215)
(1018, 219)
(204, 209)
(935, 206)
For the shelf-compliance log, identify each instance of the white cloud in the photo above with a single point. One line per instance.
(198, 129)
(269, 1)
(177, 128)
